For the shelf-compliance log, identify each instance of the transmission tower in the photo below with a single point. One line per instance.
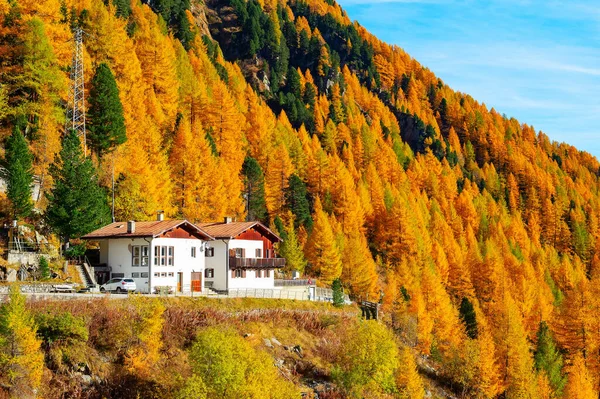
(76, 107)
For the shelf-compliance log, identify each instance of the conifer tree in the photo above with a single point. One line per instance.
(468, 317)
(254, 193)
(548, 359)
(106, 123)
(18, 174)
(44, 268)
(408, 379)
(291, 249)
(580, 385)
(322, 250)
(296, 200)
(77, 204)
(338, 293)
(21, 361)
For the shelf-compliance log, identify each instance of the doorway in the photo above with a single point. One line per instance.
(196, 282)
(179, 282)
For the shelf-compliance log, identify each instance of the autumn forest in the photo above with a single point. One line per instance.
(481, 235)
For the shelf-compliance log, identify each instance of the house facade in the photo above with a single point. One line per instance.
(241, 256)
(161, 253)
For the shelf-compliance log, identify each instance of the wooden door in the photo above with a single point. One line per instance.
(196, 282)
(179, 282)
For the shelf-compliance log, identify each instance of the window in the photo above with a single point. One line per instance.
(145, 255)
(171, 258)
(163, 256)
(239, 252)
(258, 273)
(258, 252)
(139, 255)
(156, 274)
(156, 256)
(193, 252)
(209, 273)
(135, 275)
(163, 274)
(267, 273)
(144, 275)
(171, 274)
(118, 275)
(238, 273)
(209, 252)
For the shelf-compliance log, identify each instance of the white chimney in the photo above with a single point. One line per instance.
(131, 226)
(227, 220)
(160, 216)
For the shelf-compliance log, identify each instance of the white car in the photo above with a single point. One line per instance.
(119, 285)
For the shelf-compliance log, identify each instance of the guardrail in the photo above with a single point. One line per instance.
(256, 263)
(294, 283)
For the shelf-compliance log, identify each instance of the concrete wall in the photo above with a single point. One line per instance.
(117, 253)
(223, 280)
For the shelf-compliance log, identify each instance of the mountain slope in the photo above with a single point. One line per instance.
(412, 188)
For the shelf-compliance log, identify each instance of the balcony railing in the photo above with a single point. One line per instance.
(256, 263)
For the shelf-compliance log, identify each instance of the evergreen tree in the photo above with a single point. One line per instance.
(44, 268)
(123, 8)
(296, 200)
(106, 123)
(21, 361)
(76, 204)
(468, 317)
(338, 293)
(18, 173)
(254, 182)
(548, 359)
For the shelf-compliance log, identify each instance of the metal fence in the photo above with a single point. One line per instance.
(294, 283)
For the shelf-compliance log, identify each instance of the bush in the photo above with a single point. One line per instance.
(233, 369)
(44, 268)
(64, 337)
(367, 360)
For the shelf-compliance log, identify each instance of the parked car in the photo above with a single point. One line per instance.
(119, 285)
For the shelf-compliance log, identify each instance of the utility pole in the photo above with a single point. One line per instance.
(76, 107)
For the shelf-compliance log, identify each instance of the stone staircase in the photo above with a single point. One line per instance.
(87, 276)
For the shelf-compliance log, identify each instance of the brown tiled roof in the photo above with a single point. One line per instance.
(142, 229)
(234, 229)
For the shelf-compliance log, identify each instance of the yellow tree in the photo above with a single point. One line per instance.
(322, 250)
(408, 380)
(579, 385)
(143, 356)
(359, 272)
(21, 361)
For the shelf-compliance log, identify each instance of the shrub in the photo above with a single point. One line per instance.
(64, 336)
(232, 368)
(367, 360)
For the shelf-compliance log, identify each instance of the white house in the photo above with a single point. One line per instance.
(155, 254)
(242, 255)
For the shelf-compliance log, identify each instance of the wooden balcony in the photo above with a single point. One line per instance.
(256, 263)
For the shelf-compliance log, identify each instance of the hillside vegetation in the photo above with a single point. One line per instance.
(482, 233)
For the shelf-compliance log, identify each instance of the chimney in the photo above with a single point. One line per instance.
(131, 226)
(160, 216)
(227, 220)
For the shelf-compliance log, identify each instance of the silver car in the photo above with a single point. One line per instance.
(119, 285)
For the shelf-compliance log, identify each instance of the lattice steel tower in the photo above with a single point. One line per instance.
(76, 107)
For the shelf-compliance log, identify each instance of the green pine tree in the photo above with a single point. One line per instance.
(338, 293)
(468, 317)
(549, 360)
(44, 268)
(106, 123)
(254, 182)
(296, 200)
(18, 173)
(76, 204)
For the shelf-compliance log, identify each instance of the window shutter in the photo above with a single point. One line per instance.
(243, 252)
(232, 253)
(243, 273)
(233, 274)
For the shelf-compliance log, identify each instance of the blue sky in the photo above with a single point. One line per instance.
(537, 61)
